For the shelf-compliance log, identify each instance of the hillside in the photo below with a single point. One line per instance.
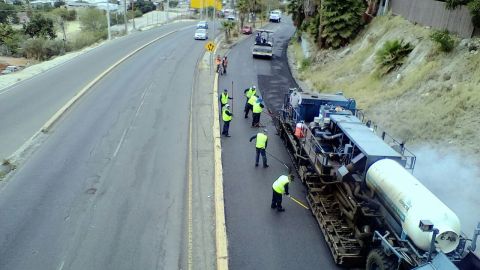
(434, 97)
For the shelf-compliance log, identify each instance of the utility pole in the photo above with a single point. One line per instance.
(168, 9)
(125, 20)
(133, 13)
(108, 20)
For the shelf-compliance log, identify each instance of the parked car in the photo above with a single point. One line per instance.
(231, 17)
(10, 69)
(202, 25)
(201, 34)
(247, 30)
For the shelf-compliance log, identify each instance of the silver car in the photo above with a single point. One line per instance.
(201, 34)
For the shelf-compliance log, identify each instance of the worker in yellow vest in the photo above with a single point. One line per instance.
(257, 111)
(279, 188)
(249, 106)
(227, 118)
(260, 145)
(224, 97)
(249, 92)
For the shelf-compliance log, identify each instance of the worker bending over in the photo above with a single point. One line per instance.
(279, 188)
(260, 145)
(249, 92)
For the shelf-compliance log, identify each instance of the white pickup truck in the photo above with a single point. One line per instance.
(275, 16)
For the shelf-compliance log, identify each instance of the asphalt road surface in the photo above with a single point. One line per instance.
(106, 190)
(27, 105)
(259, 237)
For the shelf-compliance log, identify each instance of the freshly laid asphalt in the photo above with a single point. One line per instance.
(258, 236)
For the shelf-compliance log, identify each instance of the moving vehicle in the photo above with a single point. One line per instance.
(10, 69)
(263, 46)
(202, 25)
(247, 30)
(275, 16)
(201, 34)
(372, 211)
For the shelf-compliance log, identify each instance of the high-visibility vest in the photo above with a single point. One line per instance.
(257, 108)
(251, 92)
(252, 100)
(261, 140)
(279, 184)
(224, 98)
(225, 116)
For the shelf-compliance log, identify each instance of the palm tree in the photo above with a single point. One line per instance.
(228, 26)
(243, 9)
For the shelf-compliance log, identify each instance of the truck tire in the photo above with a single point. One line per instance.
(378, 260)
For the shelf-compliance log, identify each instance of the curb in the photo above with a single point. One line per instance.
(221, 242)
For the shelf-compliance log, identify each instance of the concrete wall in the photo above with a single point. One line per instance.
(434, 14)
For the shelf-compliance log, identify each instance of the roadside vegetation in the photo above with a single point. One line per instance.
(429, 93)
(41, 32)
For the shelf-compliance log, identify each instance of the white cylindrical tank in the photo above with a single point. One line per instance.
(411, 201)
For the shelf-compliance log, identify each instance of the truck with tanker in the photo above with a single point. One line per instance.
(372, 211)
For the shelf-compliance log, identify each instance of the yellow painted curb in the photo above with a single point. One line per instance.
(46, 127)
(221, 242)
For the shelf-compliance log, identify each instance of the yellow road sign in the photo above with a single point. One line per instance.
(210, 46)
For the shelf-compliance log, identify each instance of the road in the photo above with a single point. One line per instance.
(259, 237)
(108, 187)
(26, 106)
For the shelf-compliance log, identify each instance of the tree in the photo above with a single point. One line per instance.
(9, 39)
(93, 20)
(340, 21)
(228, 26)
(40, 27)
(243, 9)
(7, 12)
(295, 7)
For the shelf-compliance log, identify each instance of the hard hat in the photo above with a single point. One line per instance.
(227, 105)
(265, 130)
(225, 90)
(259, 100)
(253, 86)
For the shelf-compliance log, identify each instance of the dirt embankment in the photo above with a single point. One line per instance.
(433, 98)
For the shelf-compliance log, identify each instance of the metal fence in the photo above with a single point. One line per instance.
(433, 13)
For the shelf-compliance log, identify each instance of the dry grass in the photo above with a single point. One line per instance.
(432, 98)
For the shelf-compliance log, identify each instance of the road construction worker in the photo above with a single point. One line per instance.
(260, 145)
(257, 109)
(249, 92)
(249, 106)
(279, 188)
(227, 118)
(224, 97)
(225, 64)
(218, 62)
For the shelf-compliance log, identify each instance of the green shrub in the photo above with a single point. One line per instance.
(474, 7)
(34, 48)
(85, 39)
(53, 48)
(305, 64)
(444, 40)
(392, 55)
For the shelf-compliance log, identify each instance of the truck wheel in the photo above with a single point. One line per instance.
(378, 260)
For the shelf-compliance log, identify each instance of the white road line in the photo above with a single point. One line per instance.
(120, 142)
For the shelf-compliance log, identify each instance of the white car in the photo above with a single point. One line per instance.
(202, 25)
(10, 69)
(201, 34)
(275, 16)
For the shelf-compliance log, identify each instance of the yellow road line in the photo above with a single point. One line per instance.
(221, 243)
(190, 195)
